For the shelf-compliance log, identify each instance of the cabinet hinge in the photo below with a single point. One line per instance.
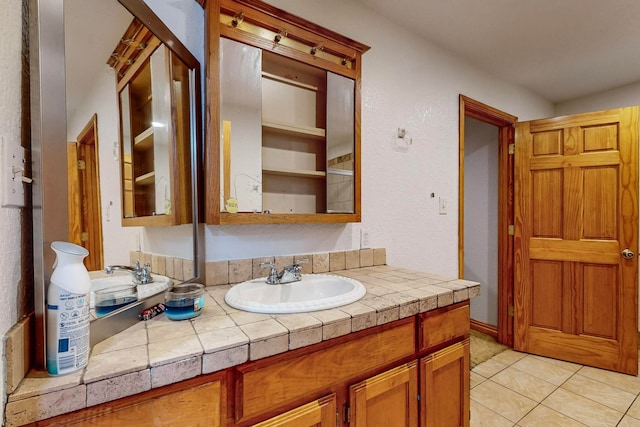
(511, 230)
(512, 148)
(346, 413)
(84, 236)
(510, 311)
(82, 165)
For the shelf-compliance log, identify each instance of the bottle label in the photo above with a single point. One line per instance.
(73, 338)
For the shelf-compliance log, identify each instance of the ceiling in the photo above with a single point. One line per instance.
(559, 49)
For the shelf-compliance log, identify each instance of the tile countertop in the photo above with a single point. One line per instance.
(159, 351)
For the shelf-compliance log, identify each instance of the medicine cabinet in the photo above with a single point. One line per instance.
(284, 131)
(153, 92)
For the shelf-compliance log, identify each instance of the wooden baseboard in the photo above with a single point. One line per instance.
(485, 328)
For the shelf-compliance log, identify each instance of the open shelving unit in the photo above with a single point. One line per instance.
(293, 136)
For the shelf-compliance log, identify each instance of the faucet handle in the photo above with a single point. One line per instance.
(272, 279)
(144, 274)
(136, 264)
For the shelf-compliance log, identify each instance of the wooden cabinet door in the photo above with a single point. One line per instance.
(444, 387)
(576, 217)
(388, 399)
(183, 404)
(319, 413)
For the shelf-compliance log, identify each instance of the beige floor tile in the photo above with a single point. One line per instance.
(543, 370)
(489, 368)
(610, 396)
(485, 417)
(634, 410)
(622, 381)
(573, 367)
(547, 417)
(628, 421)
(476, 379)
(525, 384)
(504, 402)
(582, 409)
(508, 357)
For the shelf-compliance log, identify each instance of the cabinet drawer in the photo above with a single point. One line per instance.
(442, 326)
(261, 388)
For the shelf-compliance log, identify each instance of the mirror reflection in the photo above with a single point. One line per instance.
(287, 134)
(129, 150)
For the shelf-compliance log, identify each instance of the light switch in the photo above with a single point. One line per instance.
(442, 206)
(13, 175)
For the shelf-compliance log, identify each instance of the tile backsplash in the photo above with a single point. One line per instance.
(239, 270)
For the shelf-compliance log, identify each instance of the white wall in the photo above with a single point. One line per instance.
(624, 96)
(481, 216)
(10, 219)
(410, 83)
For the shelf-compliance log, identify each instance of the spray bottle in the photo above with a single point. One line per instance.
(68, 310)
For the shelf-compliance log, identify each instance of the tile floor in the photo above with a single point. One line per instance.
(516, 389)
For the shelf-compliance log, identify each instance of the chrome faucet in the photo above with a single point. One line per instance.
(140, 275)
(291, 273)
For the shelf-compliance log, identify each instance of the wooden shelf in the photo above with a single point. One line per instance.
(144, 141)
(294, 129)
(146, 179)
(285, 80)
(344, 172)
(298, 173)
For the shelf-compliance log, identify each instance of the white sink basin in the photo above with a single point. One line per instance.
(314, 292)
(159, 284)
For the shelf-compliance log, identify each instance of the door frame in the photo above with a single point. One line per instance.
(506, 125)
(87, 143)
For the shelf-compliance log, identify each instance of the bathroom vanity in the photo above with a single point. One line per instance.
(400, 356)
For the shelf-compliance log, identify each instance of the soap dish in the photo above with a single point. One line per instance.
(184, 301)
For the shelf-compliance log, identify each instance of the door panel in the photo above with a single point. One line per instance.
(576, 209)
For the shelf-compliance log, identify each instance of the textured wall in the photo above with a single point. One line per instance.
(409, 83)
(10, 219)
(625, 96)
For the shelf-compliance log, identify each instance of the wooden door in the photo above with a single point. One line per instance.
(319, 413)
(576, 210)
(85, 217)
(444, 387)
(388, 399)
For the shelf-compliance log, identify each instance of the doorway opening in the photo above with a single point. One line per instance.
(485, 250)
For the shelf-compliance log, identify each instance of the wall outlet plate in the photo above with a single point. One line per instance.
(364, 238)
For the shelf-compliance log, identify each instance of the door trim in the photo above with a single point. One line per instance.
(87, 144)
(505, 123)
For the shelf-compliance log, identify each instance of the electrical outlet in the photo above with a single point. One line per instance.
(364, 238)
(442, 206)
